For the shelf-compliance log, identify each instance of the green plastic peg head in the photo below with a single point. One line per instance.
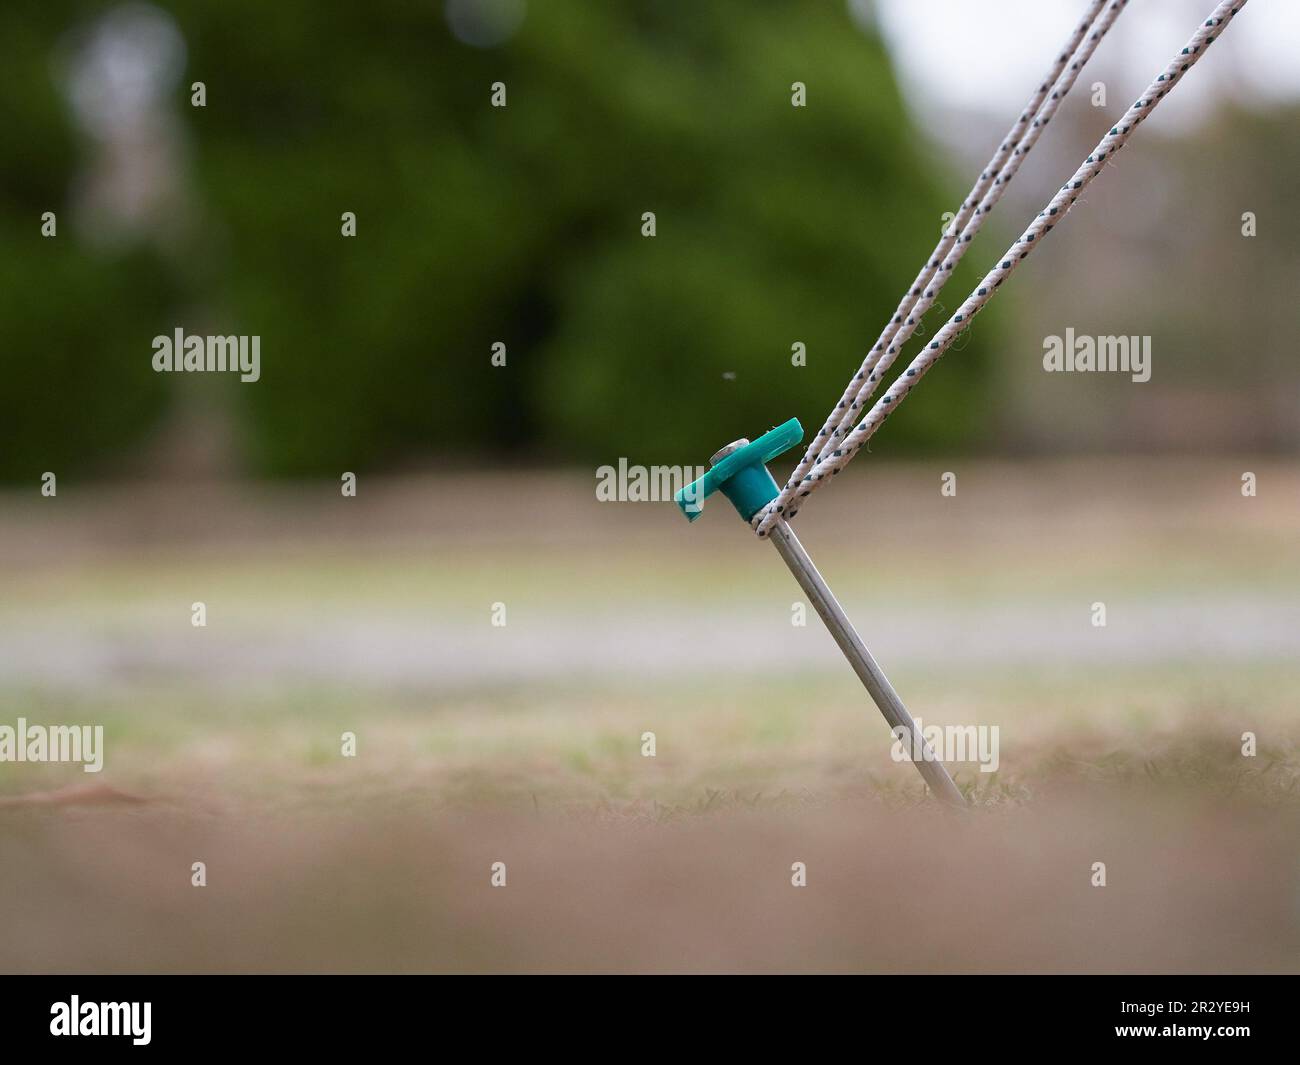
(740, 473)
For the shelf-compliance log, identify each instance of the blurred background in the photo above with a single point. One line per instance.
(776, 226)
(521, 225)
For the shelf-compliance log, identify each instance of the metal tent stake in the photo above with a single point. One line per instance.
(740, 472)
(873, 679)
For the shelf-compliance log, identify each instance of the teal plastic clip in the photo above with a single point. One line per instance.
(742, 476)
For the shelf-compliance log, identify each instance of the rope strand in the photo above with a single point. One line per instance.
(988, 184)
(1063, 86)
(1043, 224)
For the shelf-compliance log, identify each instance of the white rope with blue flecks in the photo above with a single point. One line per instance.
(988, 189)
(929, 291)
(831, 457)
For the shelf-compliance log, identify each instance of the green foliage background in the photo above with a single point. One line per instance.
(775, 224)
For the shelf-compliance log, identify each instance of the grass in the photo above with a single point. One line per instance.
(523, 745)
(568, 746)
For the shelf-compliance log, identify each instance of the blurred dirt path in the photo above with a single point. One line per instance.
(395, 588)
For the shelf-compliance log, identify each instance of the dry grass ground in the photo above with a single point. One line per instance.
(1121, 745)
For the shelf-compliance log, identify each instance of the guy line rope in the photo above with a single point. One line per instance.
(740, 471)
(826, 457)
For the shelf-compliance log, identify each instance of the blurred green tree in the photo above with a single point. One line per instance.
(76, 320)
(775, 225)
